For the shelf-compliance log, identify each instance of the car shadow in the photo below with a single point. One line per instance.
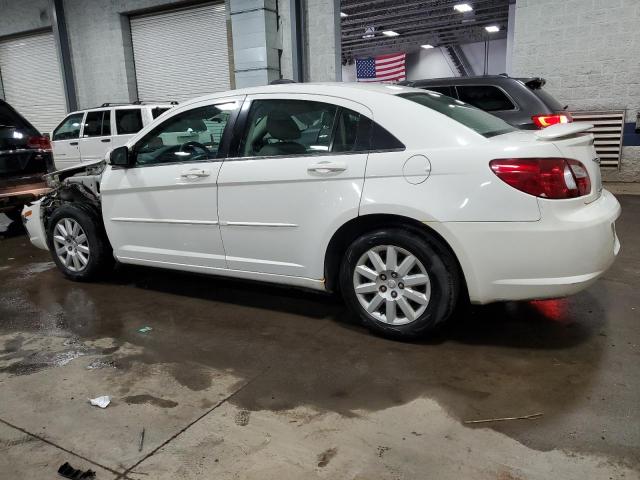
(9, 228)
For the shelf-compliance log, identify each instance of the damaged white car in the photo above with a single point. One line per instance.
(403, 200)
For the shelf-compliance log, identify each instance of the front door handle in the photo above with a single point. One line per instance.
(73, 143)
(195, 173)
(327, 167)
(105, 140)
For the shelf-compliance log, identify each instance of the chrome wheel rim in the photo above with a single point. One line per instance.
(392, 285)
(71, 244)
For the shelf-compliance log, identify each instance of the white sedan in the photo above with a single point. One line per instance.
(404, 200)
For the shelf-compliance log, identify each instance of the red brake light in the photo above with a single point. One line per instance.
(39, 143)
(552, 178)
(543, 121)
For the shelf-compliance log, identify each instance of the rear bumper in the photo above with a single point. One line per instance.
(560, 255)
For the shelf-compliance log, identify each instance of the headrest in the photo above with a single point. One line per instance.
(281, 126)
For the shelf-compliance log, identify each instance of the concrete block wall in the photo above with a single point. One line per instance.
(320, 41)
(588, 52)
(23, 16)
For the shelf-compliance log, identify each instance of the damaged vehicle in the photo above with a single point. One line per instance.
(403, 200)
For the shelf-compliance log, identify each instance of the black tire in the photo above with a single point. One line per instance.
(439, 263)
(100, 257)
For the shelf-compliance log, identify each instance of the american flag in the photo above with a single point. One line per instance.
(383, 68)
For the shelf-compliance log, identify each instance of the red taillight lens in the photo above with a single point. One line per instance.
(39, 143)
(553, 178)
(543, 121)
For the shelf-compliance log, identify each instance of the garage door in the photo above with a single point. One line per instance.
(31, 79)
(181, 54)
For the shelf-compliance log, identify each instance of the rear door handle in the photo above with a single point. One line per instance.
(327, 167)
(105, 140)
(73, 143)
(195, 173)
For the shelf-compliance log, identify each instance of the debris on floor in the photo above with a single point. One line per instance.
(533, 416)
(145, 329)
(101, 402)
(68, 471)
(141, 440)
(99, 363)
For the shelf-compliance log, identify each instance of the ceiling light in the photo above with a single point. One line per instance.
(492, 28)
(427, 46)
(343, 15)
(463, 7)
(390, 33)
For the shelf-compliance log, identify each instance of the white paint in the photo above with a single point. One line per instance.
(510, 245)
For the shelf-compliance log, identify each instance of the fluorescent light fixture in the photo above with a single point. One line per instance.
(390, 33)
(463, 8)
(426, 46)
(492, 28)
(343, 15)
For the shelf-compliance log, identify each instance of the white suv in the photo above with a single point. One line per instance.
(402, 199)
(86, 135)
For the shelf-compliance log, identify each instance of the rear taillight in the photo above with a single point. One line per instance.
(543, 121)
(553, 178)
(39, 143)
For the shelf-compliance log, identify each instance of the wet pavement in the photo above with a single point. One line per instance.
(245, 380)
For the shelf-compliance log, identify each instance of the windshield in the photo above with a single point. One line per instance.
(482, 122)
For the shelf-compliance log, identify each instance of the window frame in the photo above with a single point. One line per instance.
(83, 115)
(243, 117)
(224, 141)
(515, 108)
(102, 135)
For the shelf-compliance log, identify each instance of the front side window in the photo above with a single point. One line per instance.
(97, 124)
(482, 122)
(128, 121)
(193, 135)
(485, 97)
(69, 129)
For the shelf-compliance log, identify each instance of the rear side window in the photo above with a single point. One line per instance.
(157, 111)
(97, 124)
(485, 97)
(482, 122)
(448, 91)
(69, 129)
(128, 121)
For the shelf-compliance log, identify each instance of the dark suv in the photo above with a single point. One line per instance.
(522, 102)
(25, 156)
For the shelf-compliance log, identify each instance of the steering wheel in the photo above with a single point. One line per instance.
(193, 146)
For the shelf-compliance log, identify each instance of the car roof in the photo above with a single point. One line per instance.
(121, 106)
(351, 90)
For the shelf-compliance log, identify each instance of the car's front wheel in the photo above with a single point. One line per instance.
(400, 284)
(78, 244)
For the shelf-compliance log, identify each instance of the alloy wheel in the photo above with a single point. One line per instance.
(71, 244)
(392, 285)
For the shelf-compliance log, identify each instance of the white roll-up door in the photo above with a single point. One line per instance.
(31, 79)
(181, 54)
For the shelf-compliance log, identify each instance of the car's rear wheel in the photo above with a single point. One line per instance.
(78, 243)
(399, 283)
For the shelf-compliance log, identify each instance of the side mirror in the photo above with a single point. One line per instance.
(120, 156)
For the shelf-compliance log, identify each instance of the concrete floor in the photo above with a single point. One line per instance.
(241, 380)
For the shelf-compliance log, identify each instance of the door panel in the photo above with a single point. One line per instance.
(65, 141)
(277, 212)
(163, 210)
(96, 136)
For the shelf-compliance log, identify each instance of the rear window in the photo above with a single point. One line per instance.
(482, 122)
(157, 111)
(128, 121)
(14, 130)
(485, 97)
